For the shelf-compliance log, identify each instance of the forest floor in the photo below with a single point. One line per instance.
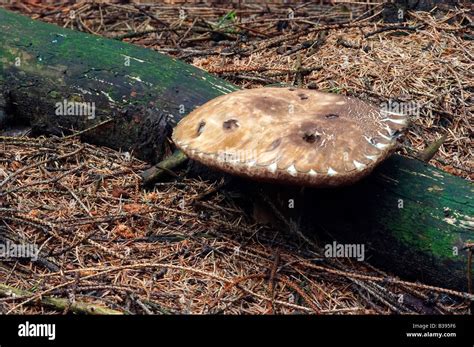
(132, 255)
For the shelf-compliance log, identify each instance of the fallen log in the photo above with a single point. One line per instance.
(126, 97)
(414, 220)
(57, 303)
(397, 10)
(411, 218)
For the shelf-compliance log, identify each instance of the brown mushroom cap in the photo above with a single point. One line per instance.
(290, 135)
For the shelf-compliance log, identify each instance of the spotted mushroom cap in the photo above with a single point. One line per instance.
(290, 135)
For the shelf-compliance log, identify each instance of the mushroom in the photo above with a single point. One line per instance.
(290, 135)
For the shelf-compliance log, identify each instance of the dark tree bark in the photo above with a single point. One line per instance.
(396, 11)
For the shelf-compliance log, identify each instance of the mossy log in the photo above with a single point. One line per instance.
(415, 220)
(62, 81)
(397, 10)
(412, 219)
(59, 304)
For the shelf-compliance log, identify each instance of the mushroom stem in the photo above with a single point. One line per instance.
(154, 173)
(430, 151)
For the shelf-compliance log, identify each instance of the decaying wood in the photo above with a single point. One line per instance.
(412, 218)
(57, 303)
(137, 95)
